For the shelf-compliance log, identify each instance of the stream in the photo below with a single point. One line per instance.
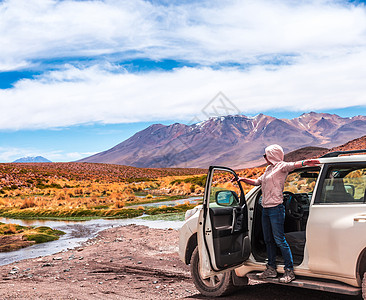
(78, 232)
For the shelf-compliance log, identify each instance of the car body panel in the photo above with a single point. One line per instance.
(335, 237)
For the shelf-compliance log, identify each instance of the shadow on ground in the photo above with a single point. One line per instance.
(272, 292)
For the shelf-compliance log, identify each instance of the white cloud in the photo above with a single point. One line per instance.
(325, 41)
(100, 94)
(10, 154)
(205, 31)
(72, 156)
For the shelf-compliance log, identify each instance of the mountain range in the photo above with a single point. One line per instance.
(32, 159)
(236, 141)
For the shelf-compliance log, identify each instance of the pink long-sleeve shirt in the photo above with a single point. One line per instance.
(273, 183)
(274, 177)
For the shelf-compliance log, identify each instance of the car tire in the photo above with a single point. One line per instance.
(364, 286)
(214, 286)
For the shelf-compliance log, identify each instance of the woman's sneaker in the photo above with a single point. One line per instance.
(269, 272)
(288, 276)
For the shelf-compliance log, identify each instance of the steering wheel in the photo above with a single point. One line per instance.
(293, 208)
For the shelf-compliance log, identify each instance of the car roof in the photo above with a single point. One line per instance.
(338, 159)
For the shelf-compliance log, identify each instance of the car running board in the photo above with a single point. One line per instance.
(333, 287)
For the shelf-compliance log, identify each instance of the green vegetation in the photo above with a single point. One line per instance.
(7, 229)
(158, 199)
(20, 234)
(42, 237)
(166, 217)
(41, 185)
(197, 180)
(87, 214)
(140, 179)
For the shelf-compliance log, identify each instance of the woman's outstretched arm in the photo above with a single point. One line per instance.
(307, 162)
(248, 180)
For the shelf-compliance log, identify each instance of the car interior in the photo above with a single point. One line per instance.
(296, 199)
(344, 185)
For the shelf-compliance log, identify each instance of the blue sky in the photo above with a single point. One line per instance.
(78, 77)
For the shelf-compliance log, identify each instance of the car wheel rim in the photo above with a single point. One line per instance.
(213, 281)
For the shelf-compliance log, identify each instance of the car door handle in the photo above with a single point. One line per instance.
(361, 218)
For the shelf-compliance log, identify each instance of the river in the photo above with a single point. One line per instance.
(78, 232)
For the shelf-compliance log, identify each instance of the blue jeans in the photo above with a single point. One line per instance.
(273, 219)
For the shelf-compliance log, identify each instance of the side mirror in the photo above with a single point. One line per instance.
(226, 198)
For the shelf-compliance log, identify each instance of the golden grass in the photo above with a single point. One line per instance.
(61, 194)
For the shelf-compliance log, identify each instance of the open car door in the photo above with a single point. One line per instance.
(223, 239)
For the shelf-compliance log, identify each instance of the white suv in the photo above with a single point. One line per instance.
(325, 227)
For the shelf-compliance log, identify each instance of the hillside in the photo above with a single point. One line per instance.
(14, 175)
(356, 144)
(305, 153)
(314, 152)
(234, 141)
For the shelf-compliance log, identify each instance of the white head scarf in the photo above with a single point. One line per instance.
(274, 153)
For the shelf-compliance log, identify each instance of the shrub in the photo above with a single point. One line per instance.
(118, 204)
(27, 203)
(8, 229)
(40, 237)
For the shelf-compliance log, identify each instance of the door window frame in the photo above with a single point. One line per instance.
(208, 185)
(323, 177)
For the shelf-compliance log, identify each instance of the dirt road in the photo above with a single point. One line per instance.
(129, 262)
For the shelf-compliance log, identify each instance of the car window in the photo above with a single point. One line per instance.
(221, 181)
(344, 185)
(302, 181)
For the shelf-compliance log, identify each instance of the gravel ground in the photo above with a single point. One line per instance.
(128, 262)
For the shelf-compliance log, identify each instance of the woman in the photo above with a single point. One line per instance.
(273, 214)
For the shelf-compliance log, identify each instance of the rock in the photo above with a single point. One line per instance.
(14, 271)
(81, 258)
(80, 249)
(71, 257)
(155, 282)
(139, 262)
(57, 258)
(67, 270)
(47, 265)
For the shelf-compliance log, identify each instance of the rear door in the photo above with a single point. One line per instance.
(223, 238)
(336, 228)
